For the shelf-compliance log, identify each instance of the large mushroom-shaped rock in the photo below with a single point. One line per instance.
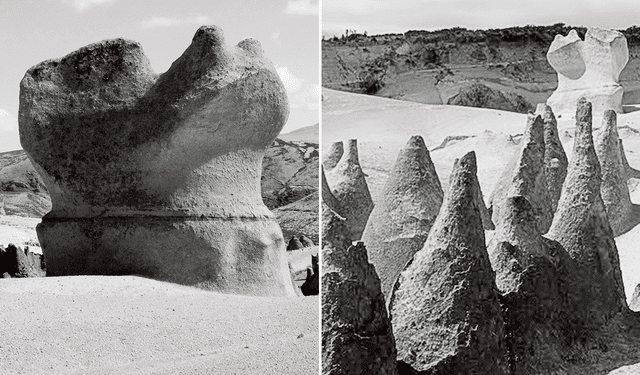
(445, 310)
(589, 68)
(356, 333)
(400, 223)
(158, 175)
(333, 156)
(581, 226)
(524, 176)
(555, 159)
(349, 187)
(614, 189)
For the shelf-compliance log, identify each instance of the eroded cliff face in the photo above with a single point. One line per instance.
(433, 66)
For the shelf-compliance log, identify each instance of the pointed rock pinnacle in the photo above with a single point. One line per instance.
(555, 159)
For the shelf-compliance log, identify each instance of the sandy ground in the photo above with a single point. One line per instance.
(382, 126)
(133, 325)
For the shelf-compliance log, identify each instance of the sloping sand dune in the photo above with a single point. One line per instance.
(382, 126)
(133, 325)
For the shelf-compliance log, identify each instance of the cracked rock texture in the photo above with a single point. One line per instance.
(614, 189)
(356, 333)
(581, 226)
(445, 310)
(348, 184)
(555, 159)
(158, 175)
(400, 223)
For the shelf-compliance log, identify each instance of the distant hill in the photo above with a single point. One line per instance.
(309, 134)
(432, 66)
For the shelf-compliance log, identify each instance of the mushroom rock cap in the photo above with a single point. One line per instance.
(445, 310)
(400, 223)
(139, 165)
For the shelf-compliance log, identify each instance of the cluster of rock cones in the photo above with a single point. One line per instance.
(542, 294)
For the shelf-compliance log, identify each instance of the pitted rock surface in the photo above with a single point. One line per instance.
(614, 189)
(581, 226)
(555, 159)
(348, 184)
(525, 177)
(356, 333)
(445, 309)
(400, 223)
(158, 175)
(333, 156)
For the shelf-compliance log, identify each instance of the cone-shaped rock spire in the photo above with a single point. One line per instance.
(525, 177)
(555, 159)
(581, 226)
(445, 310)
(614, 189)
(349, 186)
(400, 223)
(356, 333)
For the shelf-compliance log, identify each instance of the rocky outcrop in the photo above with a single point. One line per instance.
(445, 310)
(140, 164)
(524, 176)
(327, 196)
(349, 187)
(555, 159)
(589, 68)
(16, 262)
(311, 284)
(300, 216)
(614, 189)
(306, 242)
(634, 305)
(333, 156)
(356, 333)
(400, 223)
(581, 226)
(294, 244)
(482, 96)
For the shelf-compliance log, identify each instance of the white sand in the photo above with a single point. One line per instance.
(133, 325)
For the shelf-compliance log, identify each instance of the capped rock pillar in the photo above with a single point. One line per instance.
(158, 175)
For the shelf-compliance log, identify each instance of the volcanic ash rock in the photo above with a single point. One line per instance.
(445, 310)
(158, 175)
(525, 177)
(614, 189)
(356, 333)
(581, 226)
(349, 186)
(555, 159)
(400, 223)
(333, 156)
(589, 68)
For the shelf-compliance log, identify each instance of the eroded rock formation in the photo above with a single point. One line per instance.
(356, 333)
(311, 284)
(445, 310)
(555, 159)
(333, 156)
(158, 175)
(400, 223)
(348, 185)
(589, 68)
(581, 226)
(614, 189)
(306, 242)
(524, 176)
(629, 171)
(16, 262)
(294, 244)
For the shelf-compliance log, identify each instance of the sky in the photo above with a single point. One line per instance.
(32, 31)
(385, 16)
